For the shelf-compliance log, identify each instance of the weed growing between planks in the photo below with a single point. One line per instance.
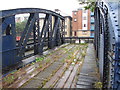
(9, 79)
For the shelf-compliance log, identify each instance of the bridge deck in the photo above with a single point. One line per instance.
(69, 66)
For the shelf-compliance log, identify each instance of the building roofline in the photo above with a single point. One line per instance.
(74, 10)
(68, 17)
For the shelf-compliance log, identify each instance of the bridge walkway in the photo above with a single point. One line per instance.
(88, 75)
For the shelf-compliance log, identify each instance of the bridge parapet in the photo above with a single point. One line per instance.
(79, 39)
(51, 35)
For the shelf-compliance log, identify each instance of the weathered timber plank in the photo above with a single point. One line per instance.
(65, 77)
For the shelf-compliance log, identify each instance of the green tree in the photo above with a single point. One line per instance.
(90, 4)
(20, 26)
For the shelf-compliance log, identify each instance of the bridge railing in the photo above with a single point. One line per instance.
(78, 39)
(14, 51)
(107, 42)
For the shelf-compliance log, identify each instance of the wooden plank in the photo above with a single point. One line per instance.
(74, 83)
(65, 77)
(26, 78)
(71, 78)
(76, 76)
(56, 77)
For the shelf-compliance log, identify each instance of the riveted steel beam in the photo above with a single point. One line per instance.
(106, 20)
(47, 37)
(12, 12)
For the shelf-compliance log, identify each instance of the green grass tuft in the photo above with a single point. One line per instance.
(38, 59)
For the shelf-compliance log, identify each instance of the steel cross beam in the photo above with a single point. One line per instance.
(45, 30)
(14, 51)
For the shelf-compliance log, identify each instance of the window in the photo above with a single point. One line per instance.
(75, 33)
(92, 25)
(84, 11)
(84, 18)
(84, 25)
(75, 20)
(75, 13)
(92, 19)
(92, 33)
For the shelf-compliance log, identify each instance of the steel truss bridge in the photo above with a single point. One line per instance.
(106, 41)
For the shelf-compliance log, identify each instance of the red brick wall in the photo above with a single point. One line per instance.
(78, 24)
(79, 19)
(74, 24)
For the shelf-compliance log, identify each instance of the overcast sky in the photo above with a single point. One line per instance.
(66, 6)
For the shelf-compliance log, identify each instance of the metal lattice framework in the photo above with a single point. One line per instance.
(51, 35)
(107, 42)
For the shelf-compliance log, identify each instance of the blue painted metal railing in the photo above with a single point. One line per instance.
(51, 35)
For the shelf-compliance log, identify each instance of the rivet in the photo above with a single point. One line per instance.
(113, 37)
(118, 72)
(118, 64)
(111, 81)
(113, 65)
(118, 29)
(107, 71)
(112, 70)
(113, 44)
(118, 81)
(112, 77)
(113, 50)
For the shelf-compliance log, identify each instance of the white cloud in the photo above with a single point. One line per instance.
(66, 6)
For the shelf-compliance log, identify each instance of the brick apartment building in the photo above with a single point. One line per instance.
(81, 23)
